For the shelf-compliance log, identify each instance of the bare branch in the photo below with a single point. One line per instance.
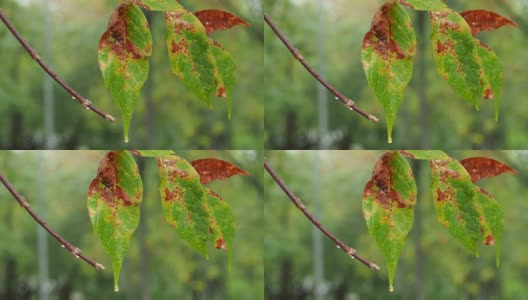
(64, 243)
(298, 203)
(298, 56)
(84, 102)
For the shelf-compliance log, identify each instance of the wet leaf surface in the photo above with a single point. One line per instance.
(113, 205)
(215, 169)
(483, 167)
(388, 200)
(386, 56)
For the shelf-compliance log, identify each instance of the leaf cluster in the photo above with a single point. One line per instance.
(470, 67)
(198, 213)
(202, 64)
(468, 212)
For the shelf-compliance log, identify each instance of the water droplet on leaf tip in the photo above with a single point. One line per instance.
(337, 246)
(73, 98)
(62, 246)
(336, 98)
(116, 289)
(391, 289)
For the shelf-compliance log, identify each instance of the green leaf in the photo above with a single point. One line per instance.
(491, 220)
(425, 154)
(124, 49)
(457, 56)
(423, 4)
(224, 73)
(190, 53)
(493, 69)
(158, 5)
(386, 56)
(387, 206)
(184, 201)
(113, 205)
(222, 222)
(151, 153)
(454, 197)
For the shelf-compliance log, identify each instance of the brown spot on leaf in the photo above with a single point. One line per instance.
(380, 185)
(215, 169)
(480, 20)
(380, 35)
(483, 167)
(220, 244)
(214, 20)
(489, 240)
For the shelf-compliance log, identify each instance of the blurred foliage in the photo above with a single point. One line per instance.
(166, 268)
(175, 119)
(444, 120)
(449, 271)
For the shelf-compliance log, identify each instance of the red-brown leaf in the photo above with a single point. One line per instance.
(215, 169)
(483, 167)
(213, 20)
(480, 20)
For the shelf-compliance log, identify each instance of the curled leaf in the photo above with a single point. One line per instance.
(215, 169)
(425, 154)
(386, 56)
(113, 205)
(491, 220)
(222, 222)
(480, 20)
(123, 54)
(454, 196)
(158, 5)
(214, 19)
(388, 199)
(483, 167)
(423, 4)
(151, 153)
(184, 201)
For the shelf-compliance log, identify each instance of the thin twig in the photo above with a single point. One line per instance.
(84, 102)
(347, 249)
(64, 243)
(298, 56)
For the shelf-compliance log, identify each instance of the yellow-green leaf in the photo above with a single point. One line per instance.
(123, 54)
(184, 201)
(425, 154)
(222, 222)
(454, 196)
(113, 205)
(386, 56)
(158, 5)
(388, 199)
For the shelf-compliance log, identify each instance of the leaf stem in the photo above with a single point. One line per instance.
(84, 102)
(74, 250)
(298, 56)
(298, 203)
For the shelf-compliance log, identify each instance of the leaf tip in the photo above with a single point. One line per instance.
(116, 288)
(391, 288)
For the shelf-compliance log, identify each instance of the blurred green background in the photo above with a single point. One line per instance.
(438, 119)
(167, 117)
(159, 264)
(432, 264)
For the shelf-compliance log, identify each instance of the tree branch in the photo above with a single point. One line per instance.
(348, 250)
(298, 56)
(64, 243)
(84, 102)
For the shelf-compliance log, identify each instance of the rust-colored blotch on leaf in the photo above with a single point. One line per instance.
(213, 20)
(483, 167)
(215, 169)
(480, 20)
